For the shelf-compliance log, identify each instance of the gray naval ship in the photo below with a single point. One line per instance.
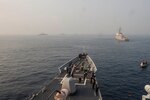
(76, 80)
(120, 37)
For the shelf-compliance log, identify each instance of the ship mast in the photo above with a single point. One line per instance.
(120, 30)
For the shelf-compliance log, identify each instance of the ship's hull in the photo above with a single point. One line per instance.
(119, 39)
(143, 65)
(85, 88)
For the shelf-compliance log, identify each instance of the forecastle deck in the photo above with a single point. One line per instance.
(82, 70)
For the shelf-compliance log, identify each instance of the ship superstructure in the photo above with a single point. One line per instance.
(120, 36)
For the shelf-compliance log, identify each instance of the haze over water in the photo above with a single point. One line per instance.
(74, 16)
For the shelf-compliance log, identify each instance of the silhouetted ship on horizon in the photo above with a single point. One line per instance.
(43, 34)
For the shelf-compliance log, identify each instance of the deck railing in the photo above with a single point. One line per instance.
(73, 60)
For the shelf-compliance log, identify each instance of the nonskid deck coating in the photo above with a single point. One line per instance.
(83, 92)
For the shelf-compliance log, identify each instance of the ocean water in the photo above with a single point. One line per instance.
(27, 63)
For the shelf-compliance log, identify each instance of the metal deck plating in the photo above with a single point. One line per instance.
(87, 87)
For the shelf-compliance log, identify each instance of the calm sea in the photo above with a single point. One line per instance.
(27, 63)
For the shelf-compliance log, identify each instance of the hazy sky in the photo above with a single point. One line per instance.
(74, 16)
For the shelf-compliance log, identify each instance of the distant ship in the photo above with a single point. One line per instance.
(120, 37)
(43, 34)
(144, 64)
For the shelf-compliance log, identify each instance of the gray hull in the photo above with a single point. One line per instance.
(85, 88)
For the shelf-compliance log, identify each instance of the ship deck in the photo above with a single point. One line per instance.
(85, 90)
